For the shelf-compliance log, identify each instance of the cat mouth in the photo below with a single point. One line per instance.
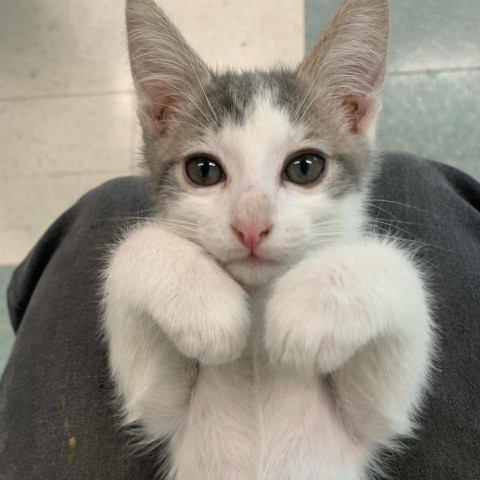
(254, 260)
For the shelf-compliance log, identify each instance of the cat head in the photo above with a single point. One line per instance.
(259, 168)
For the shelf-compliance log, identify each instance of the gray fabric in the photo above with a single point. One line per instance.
(55, 386)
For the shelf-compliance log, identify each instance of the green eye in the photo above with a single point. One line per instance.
(305, 169)
(204, 171)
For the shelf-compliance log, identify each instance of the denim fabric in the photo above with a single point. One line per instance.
(57, 416)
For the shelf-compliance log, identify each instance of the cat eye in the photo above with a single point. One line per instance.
(204, 171)
(305, 168)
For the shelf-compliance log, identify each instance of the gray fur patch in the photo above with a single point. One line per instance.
(164, 185)
(349, 178)
(228, 97)
(231, 94)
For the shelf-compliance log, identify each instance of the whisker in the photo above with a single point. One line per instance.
(177, 220)
(391, 236)
(328, 223)
(397, 227)
(403, 205)
(383, 210)
(377, 221)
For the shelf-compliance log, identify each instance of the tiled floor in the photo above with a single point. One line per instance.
(431, 100)
(67, 119)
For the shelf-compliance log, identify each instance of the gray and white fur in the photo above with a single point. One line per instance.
(253, 323)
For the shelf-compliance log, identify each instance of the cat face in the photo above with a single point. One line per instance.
(259, 168)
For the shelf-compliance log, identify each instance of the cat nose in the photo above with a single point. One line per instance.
(251, 235)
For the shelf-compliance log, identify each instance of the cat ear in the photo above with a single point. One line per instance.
(165, 69)
(347, 64)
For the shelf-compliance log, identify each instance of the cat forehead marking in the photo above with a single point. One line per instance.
(257, 146)
(264, 126)
(231, 95)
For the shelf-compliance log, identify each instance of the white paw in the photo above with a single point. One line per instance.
(209, 318)
(300, 340)
(199, 307)
(327, 307)
(215, 330)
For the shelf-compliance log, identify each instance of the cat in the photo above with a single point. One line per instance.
(253, 322)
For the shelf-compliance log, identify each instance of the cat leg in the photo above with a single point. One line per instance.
(358, 315)
(167, 306)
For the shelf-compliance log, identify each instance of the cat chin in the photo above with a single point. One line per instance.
(247, 273)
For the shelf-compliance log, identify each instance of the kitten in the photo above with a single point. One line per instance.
(251, 322)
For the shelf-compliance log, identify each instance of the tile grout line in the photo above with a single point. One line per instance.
(398, 73)
(395, 73)
(64, 174)
(52, 96)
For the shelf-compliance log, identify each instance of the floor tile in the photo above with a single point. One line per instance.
(66, 135)
(317, 15)
(6, 333)
(434, 34)
(243, 33)
(30, 204)
(434, 115)
(431, 34)
(57, 47)
(51, 47)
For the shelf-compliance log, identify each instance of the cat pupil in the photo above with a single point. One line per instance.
(305, 166)
(204, 169)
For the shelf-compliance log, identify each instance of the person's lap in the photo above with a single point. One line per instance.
(57, 416)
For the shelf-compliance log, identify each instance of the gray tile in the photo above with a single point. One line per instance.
(435, 34)
(436, 115)
(427, 34)
(6, 333)
(317, 15)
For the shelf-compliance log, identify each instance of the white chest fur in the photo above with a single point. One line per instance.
(306, 385)
(247, 421)
(262, 175)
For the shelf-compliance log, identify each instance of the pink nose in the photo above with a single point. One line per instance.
(251, 235)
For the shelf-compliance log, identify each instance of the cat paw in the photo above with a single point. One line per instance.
(319, 314)
(210, 319)
(195, 303)
(216, 332)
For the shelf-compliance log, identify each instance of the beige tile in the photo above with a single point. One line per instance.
(30, 205)
(66, 135)
(57, 47)
(243, 33)
(52, 47)
(53, 151)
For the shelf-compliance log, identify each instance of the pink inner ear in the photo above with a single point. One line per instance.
(156, 106)
(361, 112)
